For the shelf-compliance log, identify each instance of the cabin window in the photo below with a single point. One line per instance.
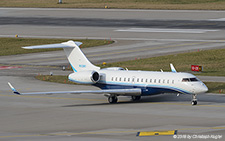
(168, 81)
(128, 79)
(142, 80)
(112, 79)
(163, 80)
(150, 80)
(137, 79)
(116, 79)
(159, 80)
(120, 78)
(173, 81)
(146, 80)
(155, 81)
(125, 79)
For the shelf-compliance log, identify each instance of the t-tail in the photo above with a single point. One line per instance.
(76, 58)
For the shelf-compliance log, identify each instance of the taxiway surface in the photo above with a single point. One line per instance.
(139, 33)
(90, 117)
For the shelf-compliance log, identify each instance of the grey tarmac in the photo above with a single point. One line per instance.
(90, 117)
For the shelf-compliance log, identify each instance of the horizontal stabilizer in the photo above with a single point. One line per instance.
(69, 44)
(75, 56)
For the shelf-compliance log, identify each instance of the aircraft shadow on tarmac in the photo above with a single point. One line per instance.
(186, 99)
(144, 99)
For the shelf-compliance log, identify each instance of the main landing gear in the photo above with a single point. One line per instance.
(194, 99)
(135, 98)
(112, 99)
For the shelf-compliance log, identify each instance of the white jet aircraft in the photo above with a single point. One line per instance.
(116, 81)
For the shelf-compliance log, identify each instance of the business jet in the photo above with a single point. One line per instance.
(116, 81)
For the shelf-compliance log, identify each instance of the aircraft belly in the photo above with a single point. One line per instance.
(144, 90)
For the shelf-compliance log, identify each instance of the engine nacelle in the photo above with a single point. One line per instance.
(85, 77)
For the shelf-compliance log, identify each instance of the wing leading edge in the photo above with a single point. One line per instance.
(129, 92)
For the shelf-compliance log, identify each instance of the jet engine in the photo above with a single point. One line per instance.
(85, 77)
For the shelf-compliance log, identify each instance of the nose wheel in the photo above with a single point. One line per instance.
(194, 100)
(194, 103)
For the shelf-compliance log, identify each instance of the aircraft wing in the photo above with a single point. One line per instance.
(129, 92)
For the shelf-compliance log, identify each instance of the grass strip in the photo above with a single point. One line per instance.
(55, 78)
(214, 87)
(212, 62)
(12, 46)
(121, 4)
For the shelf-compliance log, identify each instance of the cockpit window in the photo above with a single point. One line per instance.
(189, 79)
(193, 79)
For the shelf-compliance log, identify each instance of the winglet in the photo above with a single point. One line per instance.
(172, 68)
(13, 89)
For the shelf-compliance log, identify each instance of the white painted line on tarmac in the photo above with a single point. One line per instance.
(219, 20)
(162, 30)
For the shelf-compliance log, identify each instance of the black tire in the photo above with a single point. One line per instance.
(135, 98)
(194, 102)
(115, 99)
(112, 99)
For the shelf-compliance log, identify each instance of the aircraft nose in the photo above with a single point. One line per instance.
(201, 88)
(204, 88)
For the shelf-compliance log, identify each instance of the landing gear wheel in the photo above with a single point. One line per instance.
(112, 99)
(194, 102)
(135, 98)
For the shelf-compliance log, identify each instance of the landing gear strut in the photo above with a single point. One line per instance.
(112, 99)
(194, 99)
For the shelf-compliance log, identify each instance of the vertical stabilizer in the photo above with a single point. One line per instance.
(77, 59)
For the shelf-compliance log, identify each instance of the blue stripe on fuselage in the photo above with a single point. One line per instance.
(146, 89)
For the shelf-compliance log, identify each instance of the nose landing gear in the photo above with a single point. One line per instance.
(194, 100)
